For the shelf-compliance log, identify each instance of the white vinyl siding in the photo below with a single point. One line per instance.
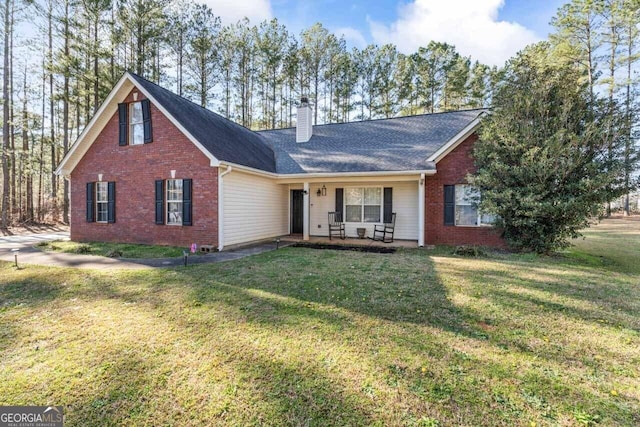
(255, 208)
(405, 204)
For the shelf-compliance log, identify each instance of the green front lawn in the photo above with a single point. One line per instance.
(114, 250)
(307, 337)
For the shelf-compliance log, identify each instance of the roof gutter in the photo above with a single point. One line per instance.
(301, 176)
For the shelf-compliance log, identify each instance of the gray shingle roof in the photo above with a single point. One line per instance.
(225, 139)
(398, 144)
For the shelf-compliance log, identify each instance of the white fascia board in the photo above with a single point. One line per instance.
(81, 146)
(300, 177)
(456, 140)
(65, 168)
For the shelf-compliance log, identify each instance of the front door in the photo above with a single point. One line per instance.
(297, 198)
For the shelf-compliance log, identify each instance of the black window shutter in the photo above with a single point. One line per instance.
(339, 203)
(449, 205)
(186, 202)
(91, 191)
(111, 202)
(146, 118)
(122, 120)
(160, 201)
(388, 204)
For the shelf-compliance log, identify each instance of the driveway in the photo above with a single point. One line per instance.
(31, 239)
(28, 254)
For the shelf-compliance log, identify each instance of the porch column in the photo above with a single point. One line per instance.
(305, 212)
(421, 207)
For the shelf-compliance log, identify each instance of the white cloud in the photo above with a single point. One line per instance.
(352, 36)
(231, 11)
(471, 25)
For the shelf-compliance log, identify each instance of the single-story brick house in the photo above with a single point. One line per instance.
(152, 167)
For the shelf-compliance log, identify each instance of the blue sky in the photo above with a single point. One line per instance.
(488, 30)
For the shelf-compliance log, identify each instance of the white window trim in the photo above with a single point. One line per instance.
(132, 123)
(167, 201)
(344, 204)
(479, 223)
(105, 201)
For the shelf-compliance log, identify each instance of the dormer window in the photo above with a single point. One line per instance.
(134, 120)
(136, 124)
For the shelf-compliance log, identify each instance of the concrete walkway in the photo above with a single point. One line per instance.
(30, 255)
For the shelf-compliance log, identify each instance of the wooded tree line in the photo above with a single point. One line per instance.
(57, 73)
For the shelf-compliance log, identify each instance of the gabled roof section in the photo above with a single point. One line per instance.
(397, 144)
(402, 144)
(226, 140)
(218, 138)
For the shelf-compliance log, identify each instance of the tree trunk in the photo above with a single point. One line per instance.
(12, 136)
(27, 214)
(628, 136)
(65, 109)
(54, 178)
(4, 220)
(96, 75)
(41, 155)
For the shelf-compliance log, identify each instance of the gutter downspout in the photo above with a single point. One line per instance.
(221, 207)
(421, 208)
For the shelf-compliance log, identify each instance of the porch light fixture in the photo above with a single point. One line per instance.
(319, 193)
(135, 96)
(324, 190)
(173, 174)
(100, 177)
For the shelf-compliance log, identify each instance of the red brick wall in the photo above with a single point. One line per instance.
(453, 169)
(135, 169)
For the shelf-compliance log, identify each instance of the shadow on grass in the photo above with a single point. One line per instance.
(31, 288)
(252, 388)
(398, 289)
(298, 288)
(561, 291)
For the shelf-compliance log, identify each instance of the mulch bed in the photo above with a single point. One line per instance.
(373, 249)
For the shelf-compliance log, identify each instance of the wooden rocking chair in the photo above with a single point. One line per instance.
(384, 232)
(336, 225)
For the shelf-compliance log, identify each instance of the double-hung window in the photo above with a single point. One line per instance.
(467, 213)
(102, 202)
(363, 204)
(136, 124)
(174, 201)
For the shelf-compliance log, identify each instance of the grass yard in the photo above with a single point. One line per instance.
(114, 250)
(307, 337)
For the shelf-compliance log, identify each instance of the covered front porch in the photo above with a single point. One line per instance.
(363, 202)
